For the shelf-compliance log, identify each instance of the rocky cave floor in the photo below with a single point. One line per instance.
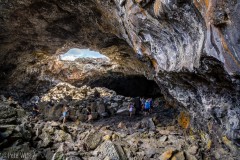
(118, 136)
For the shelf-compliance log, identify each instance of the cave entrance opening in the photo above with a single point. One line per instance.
(129, 85)
(76, 53)
(126, 84)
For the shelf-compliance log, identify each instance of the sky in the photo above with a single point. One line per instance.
(75, 53)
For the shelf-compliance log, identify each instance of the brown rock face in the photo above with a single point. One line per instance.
(189, 47)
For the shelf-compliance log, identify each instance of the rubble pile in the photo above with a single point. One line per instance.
(156, 136)
(101, 102)
(123, 139)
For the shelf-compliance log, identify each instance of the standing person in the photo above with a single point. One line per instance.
(89, 114)
(151, 105)
(10, 99)
(35, 99)
(35, 111)
(137, 105)
(12, 102)
(156, 103)
(130, 107)
(143, 103)
(147, 107)
(50, 104)
(64, 113)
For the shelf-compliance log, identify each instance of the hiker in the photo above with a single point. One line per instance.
(65, 113)
(10, 99)
(137, 105)
(147, 107)
(89, 114)
(35, 100)
(151, 105)
(12, 102)
(50, 104)
(156, 103)
(143, 103)
(130, 107)
(35, 111)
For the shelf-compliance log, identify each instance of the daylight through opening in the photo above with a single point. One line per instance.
(76, 53)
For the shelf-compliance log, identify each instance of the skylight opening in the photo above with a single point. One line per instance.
(76, 53)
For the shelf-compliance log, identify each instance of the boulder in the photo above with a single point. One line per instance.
(12, 120)
(54, 124)
(126, 103)
(104, 114)
(101, 108)
(123, 111)
(107, 137)
(148, 123)
(192, 150)
(115, 137)
(48, 153)
(3, 98)
(48, 128)
(173, 139)
(8, 128)
(8, 115)
(178, 156)
(114, 105)
(5, 134)
(191, 157)
(118, 98)
(106, 131)
(25, 131)
(15, 137)
(112, 110)
(46, 140)
(230, 144)
(163, 131)
(166, 155)
(21, 112)
(163, 138)
(93, 140)
(58, 156)
(121, 125)
(93, 107)
(61, 136)
(82, 117)
(94, 115)
(120, 151)
(150, 152)
(151, 125)
(108, 150)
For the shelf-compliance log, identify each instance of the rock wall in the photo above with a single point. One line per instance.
(190, 47)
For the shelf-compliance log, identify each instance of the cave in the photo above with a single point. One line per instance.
(189, 48)
(129, 86)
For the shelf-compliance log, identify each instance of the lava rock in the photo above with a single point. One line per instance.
(93, 140)
(108, 150)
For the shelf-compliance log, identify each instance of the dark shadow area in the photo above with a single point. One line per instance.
(165, 116)
(129, 86)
